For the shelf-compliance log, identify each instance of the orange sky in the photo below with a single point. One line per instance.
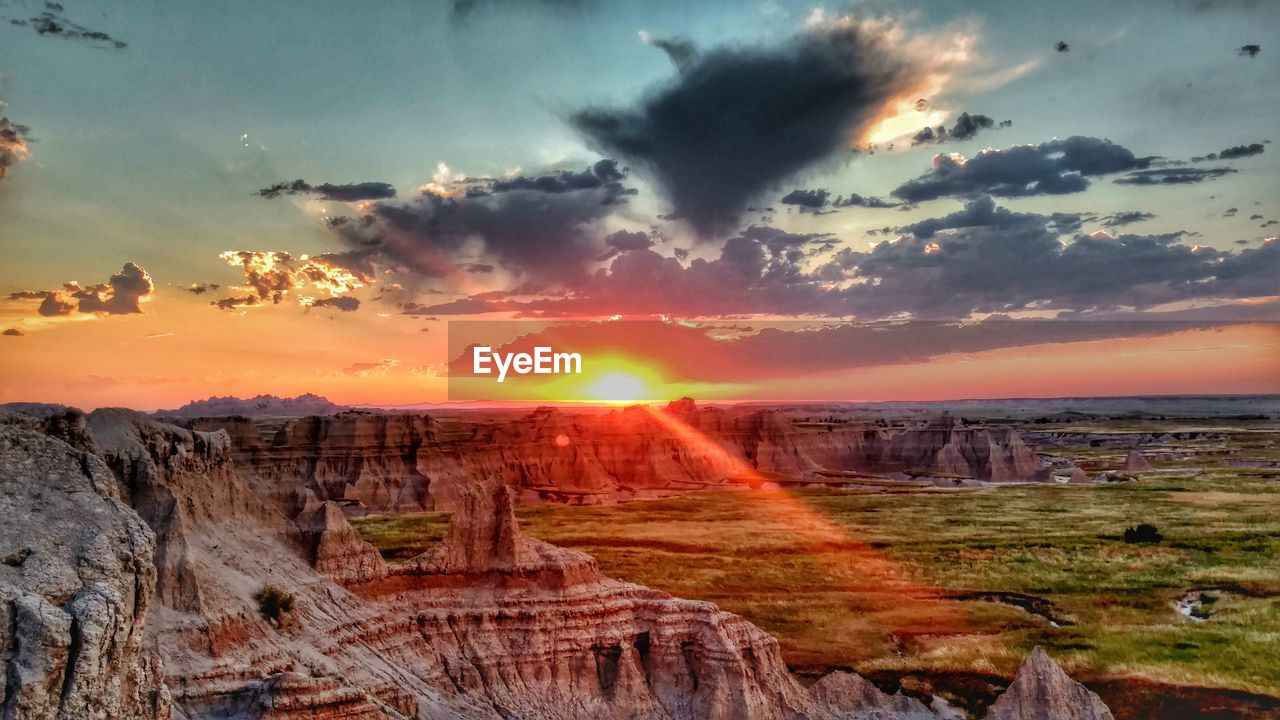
(160, 359)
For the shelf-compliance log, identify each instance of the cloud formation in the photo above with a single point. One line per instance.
(546, 228)
(735, 122)
(1052, 168)
(966, 127)
(815, 200)
(13, 143)
(328, 191)
(1234, 153)
(980, 259)
(1173, 176)
(122, 294)
(272, 275)
(52, 22)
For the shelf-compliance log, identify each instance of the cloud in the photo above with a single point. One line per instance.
(122, 294)
(681, 52)
(980, 259)
(201, 288)
(1173, 176)
(815, 200)
(273, 275)
(370, 369)
(1234, 153)
(345, 304)
(547, 229)
(736, 122)
(966, 127)
(52, 22)
(1126, 218)
(1250, 50)
(1062, 46)
(14, 146)
(463, 9)
(1052, 168)
(327, 191)
(13, 332)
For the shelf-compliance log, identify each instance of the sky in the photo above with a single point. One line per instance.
(1019, 199)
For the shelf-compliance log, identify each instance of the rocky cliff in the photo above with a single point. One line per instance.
(405, 463)
(76, 581)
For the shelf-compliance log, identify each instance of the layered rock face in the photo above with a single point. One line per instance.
(76, 581)
(407, 463)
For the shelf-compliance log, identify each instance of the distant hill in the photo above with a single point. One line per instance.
(260, 406)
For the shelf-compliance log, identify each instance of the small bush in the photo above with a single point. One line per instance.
(1201, 612)
(1143, 533)
(274, 603)
(1207, 599)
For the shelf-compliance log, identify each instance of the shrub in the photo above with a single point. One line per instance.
(274, 603)
(1142, 533)
(1201, 612)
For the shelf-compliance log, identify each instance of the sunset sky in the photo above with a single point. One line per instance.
(997, 199)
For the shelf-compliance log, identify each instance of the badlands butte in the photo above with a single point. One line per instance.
(205, 565)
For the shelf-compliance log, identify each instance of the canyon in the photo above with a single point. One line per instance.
(137, 556)
(402, 462)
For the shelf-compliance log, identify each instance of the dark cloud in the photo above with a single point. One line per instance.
(1250, 50)
(545, 228)
(52, 22)
(201, 288)
(1240, 151)
(463, 9)
(966, 127)
(815, 200)
(14, 139)
(604, 176)
(980, 259)
(344, 303)
(1062, 46)
(328, 191)
(231, 303)
(738, 121)
(1173, 176)
(681, 52)
(806, 198)
(1126, 218)
(122, 294)
(856, 200)
(13, 332)
(624, 240)
(1052, 168)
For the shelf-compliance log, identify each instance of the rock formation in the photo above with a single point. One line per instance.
(1135, 462)
(75, 585)
(406, 463)
(1042, 690)
(1079, 476)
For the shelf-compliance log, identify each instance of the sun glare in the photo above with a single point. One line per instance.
(616, 387)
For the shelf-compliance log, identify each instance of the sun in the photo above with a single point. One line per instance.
(616, 387)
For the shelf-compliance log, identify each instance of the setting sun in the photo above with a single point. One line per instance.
(616, 387)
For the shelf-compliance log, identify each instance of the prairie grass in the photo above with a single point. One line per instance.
(958, 580)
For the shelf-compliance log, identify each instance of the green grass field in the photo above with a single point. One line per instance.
(959, 581)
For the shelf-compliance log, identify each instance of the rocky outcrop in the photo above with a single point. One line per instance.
(334, 548)
(853, 697)
(1042, 690)
(1079, 477)
(76, 582)
(1136, 462)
